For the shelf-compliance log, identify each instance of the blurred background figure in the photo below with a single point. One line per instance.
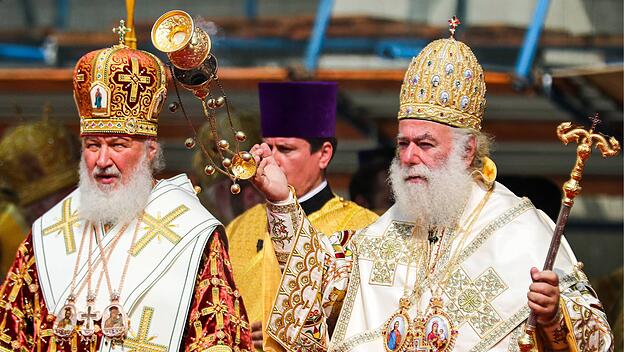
(13, 226)
(369, 186)
(39, 160)
(38, 164)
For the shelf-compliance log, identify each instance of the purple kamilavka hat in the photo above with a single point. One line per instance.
(298, 109)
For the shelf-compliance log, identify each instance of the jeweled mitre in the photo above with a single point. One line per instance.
(119, 90)
(445, 84)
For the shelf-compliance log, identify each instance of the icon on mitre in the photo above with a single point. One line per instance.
(99, 100)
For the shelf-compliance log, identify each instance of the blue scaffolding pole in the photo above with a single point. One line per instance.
(251, 9)
(317, 38)
(22, 52)
(531, 42)
(62, 13)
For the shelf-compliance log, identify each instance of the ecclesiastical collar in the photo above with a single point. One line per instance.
(318, 200)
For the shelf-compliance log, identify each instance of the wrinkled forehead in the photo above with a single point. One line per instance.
(420, 129)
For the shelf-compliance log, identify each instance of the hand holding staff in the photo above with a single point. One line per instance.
(571, 188)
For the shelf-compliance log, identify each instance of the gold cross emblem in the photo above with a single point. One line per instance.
(471, 300)
(141, 342)
(217, 308)
(238, 321)
(66, 226)
(157, 226)
(19, 278)
(134, 78)
(386, 252)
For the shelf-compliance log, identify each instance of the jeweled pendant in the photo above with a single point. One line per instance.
(89, 317)
(114, 321)
(396, 330)
(65, 322)
(436, 331)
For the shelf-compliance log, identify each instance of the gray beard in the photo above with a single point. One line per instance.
(440, 201)
(102, 203)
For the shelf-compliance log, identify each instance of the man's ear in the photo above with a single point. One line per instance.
(152, 148)
(471, 150)
(327, 151)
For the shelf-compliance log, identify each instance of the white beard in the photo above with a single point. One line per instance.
(103, 203)
(437, 203)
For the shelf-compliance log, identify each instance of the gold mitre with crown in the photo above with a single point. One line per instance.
(39, 158)
(444, 84)
(119, 90)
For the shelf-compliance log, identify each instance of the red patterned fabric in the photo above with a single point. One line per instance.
(26, 324)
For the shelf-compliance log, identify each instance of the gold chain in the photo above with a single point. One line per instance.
(126, 264)
(77, 263)
(91, 268)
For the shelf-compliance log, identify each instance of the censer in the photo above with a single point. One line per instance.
(194, 67)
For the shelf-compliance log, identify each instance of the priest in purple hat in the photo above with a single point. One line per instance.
(299, 123)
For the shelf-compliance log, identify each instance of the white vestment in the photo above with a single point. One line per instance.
(484, 294)
(162, 269)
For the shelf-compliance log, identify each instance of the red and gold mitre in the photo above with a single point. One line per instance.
(119, 90)
(444, 84)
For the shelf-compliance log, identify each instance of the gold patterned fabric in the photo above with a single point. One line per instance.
(27, 325)
(119, 90)
(444, 84)
(255, 269)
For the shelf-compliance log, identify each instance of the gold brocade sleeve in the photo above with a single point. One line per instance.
(583, 325)
(217, 320)
(314, 279)
(586, 324)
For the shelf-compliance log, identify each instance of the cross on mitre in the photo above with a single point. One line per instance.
(453, 24)
(122, 30)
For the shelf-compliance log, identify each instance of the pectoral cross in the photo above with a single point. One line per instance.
(89, 317)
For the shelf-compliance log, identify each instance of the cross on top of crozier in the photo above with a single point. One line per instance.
(121, 31)
(595, 121)
(453, 24)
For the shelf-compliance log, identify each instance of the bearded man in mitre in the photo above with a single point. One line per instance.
(123, 246)
(457, 250)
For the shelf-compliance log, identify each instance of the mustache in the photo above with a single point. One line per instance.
(107, 171)
(414, 171)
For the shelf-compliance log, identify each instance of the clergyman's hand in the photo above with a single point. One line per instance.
(544, 295)
(256, 334)
(270, 179)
